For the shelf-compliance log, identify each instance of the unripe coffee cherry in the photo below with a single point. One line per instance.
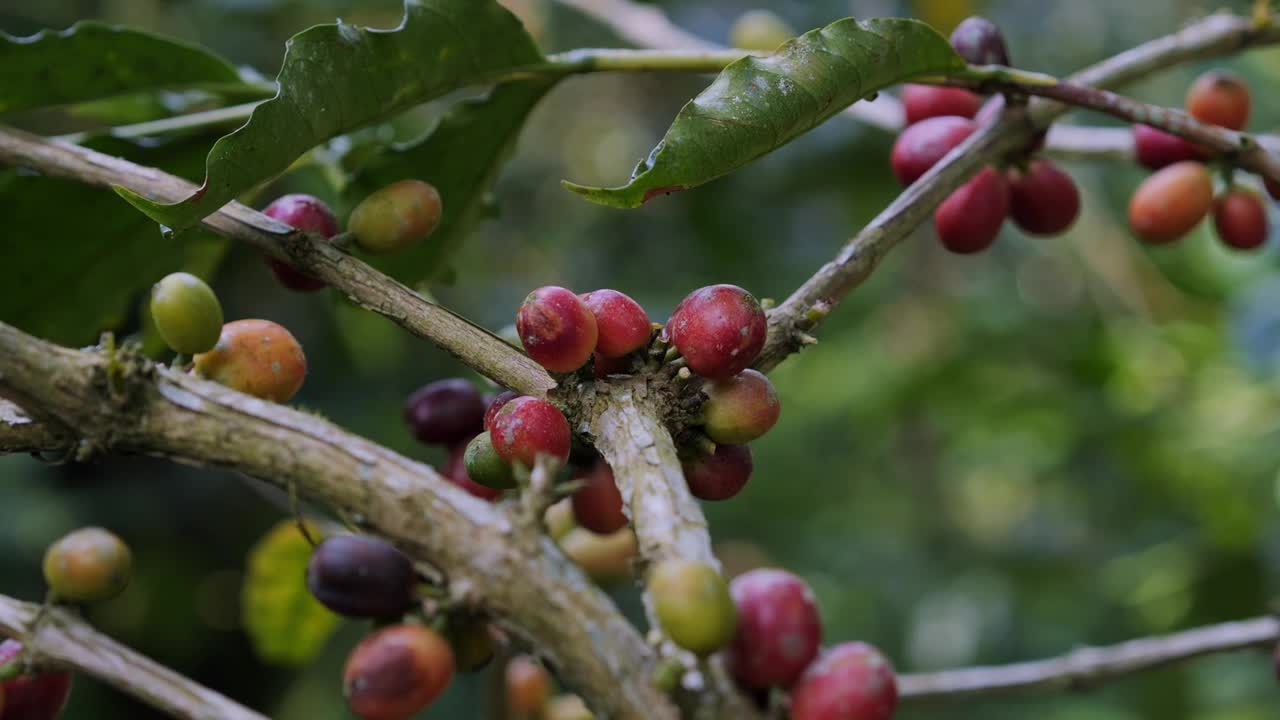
(496, 404)
(921, 102)
(41, 696)
(606, 559)
(396, 218)
(485, 466)
(186, 312)
(472, 642)
(622, 326)
(691, 600)
(597, 505)
(257, 357)
(980, 42)
(528, 687)
(1219, 98)
(719, 329)
(720, 475)
(455, 471)
(761, 30)
(1169, 203)
(779, 631)
(923, 144)
(559, 519)
(396, 672)
(1156, 149)
(851, 681)
(969, 220)
(1043, 200)
(557, 329)
(361, 576)
(1241, 219)
(740, 409)
(567, 707)
(88, 565)
(303, 212)
(527, 427)
(445, 412)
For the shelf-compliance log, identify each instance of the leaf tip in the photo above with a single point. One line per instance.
(620, 197)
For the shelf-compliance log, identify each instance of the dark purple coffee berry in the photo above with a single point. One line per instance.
(445, 412)
(361, 576)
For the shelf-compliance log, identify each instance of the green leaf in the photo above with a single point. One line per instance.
(758, 104)
(90, 61)
(286, 624)
(77, 257)
(336, 78)
(461, 156)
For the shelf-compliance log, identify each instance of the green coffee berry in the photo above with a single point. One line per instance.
(88, 565)
(186, 312)
(396, 218)
(693, 605)
(485, 466)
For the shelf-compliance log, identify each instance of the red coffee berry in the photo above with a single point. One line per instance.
(980, 42)
(1156, 149)
(1241, 219)
(851, 681)
(719, 329)
(597, 505)
(361, 576)
(1169, 203)
(557, 329)
(257, 357)
(740, 409)
(779, 631)
(969, 220)
(720, 475)
(455, 471)
(1043, 200)
(445, 412)
(496, 404)
(923, 144)
(621, 324)
(527, 427)
(1219, 98)
(1273, 189)
(922, 102)
(41, 696)
(396, 672)
(528, 687)
(304, 212)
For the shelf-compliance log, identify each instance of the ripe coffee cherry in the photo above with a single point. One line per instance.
(1156, 149)
(923, 144)
(528, 687)
(361, 576)
(496, 404)
(1169, 203)
(922, 102)
(472, 642)
(606, 559)
(597, 505)
(779, 631)
(88, 565)
(760, 30)
(720, 475)
(455, 471)
(186, 312)
(719, 329)
(1219, 98)
(969, 220)
(980, 42)
(693, 606)
(485, 466)
(257, 357)
(740, 409)
(396, 672)
(32, 697)
(1241, 219)
(396, 218)
(527, 427)
(1043, 200)
(557, 329)
(622, 325)
(303, 212)
(851, 681)
(602, 367)
(445, 412)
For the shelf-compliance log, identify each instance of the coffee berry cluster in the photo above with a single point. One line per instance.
(1179, 194)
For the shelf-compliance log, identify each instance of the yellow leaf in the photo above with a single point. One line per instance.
(286, 624)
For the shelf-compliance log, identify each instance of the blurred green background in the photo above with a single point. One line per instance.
(986, 459)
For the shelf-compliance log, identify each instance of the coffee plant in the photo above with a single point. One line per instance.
(572, 458)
